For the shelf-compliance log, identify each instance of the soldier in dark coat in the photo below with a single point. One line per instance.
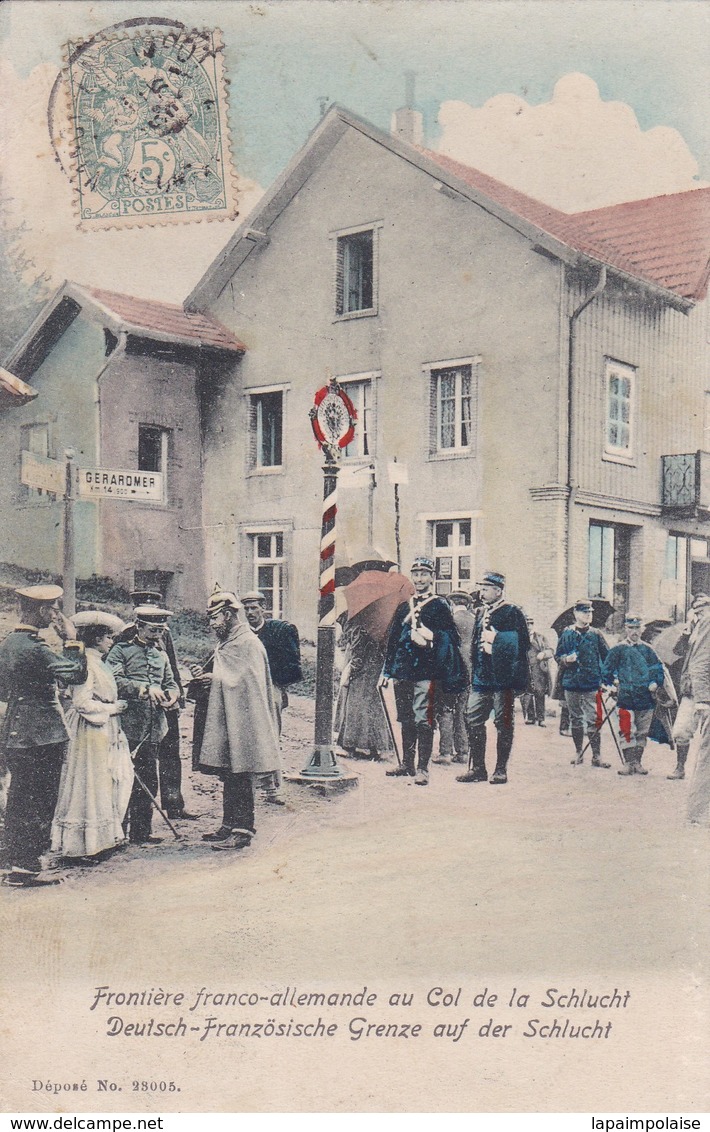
(633, 672)
(34, 734)
(423, 658)
(581, 651)
(283, 649)
(145, 680)
(499, 662)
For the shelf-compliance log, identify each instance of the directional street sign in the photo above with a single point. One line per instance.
(42, 473)
(106, 483)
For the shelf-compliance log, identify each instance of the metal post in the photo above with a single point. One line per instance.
(323, 763)
(396, 526)
(69, 564)
(371, 506)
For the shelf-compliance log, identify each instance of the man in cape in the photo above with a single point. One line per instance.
(240, 737)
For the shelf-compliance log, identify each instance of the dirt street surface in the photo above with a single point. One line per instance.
(566, 877)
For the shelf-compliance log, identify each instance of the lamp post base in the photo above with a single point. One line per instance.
(324, 771)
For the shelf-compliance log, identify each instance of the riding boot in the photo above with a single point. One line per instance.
(681, 754)
(409, 750)
(629, 766)
(504, 745)
(595, 742)
(578, 740)
(638, 769)
(476, 757)
(425, 742)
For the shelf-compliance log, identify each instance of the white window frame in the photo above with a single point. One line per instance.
(432, 371)
(165, 438)
(278, 562)
(35, 495)
(368, 379)
(343, 233)
(254, 447)
(618, 453)
(454, 552)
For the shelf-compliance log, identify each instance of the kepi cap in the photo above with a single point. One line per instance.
(584, 605)
(40, 593)
(493, 578)
(152, 614)
(146, 597)
(423, 562)
(633, 619)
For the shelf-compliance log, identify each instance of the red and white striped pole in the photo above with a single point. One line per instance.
(333, 421)
(323, 763)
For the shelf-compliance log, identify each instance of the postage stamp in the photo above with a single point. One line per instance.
(149, 129)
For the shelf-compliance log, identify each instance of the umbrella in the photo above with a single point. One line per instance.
(373, 598)
(344, 575)
(601, 611)
(666, 643)
(98, 617)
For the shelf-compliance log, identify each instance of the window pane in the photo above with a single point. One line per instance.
(268, 429)
(465, 568)
(465, 532)
(279, 547)
(357, 261)
(444, 532)
(263, 546)
(150, 448)
(595, 560)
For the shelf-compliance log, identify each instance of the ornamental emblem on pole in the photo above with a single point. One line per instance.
(333, 419)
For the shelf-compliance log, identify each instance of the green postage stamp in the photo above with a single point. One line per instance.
(148, 121)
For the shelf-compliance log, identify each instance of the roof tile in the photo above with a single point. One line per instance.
(167, 320)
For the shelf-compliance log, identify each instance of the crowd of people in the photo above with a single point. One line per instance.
(91, 737)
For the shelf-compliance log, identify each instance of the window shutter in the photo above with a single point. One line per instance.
(340, 276)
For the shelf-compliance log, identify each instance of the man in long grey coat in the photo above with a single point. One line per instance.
(241, 735)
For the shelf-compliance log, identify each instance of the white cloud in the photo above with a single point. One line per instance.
(151, 262)
(574, 152)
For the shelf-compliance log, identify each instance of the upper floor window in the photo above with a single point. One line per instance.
(153, 448)
(34, 438)
(452, 408)
(361, 393)
(267, 429)
(619, 409)
(356, 272)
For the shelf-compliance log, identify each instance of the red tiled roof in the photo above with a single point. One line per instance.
(166, 320)
(663, 240)
(14, 387)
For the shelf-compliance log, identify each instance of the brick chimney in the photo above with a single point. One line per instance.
(408, 123)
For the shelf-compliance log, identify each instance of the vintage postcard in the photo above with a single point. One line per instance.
(355, 574)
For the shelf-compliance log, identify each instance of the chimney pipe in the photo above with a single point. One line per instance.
(408, 123)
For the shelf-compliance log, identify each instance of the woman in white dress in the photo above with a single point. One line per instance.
(97, 775)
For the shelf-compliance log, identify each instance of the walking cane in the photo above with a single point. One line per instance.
(144, 788)
(607, 719)
(390, 729)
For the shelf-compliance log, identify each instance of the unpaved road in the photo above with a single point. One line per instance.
(567, 877)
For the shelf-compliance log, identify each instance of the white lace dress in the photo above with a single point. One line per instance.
(97, 775)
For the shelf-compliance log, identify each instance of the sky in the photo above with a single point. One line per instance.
(581, 103)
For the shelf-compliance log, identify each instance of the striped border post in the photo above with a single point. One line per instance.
(323, 763)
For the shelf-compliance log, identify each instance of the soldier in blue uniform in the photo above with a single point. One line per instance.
(145, 680)
(581, 651)
(633, 672)
(423, 659)
(499, 663)
(34, 734)
(283, 650)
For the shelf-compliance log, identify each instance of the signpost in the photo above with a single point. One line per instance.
(105, 483)
(333, 422)
(61, 478)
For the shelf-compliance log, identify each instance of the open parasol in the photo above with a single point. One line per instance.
(372, 598)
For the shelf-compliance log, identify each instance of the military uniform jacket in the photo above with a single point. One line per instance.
(635, 666)
(280, 639)
(29, 677)
(441, 661)
(506, 666)
(136, 667)
(585, 675)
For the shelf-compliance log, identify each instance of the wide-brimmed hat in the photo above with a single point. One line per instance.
(39, 593)
(98, 617)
